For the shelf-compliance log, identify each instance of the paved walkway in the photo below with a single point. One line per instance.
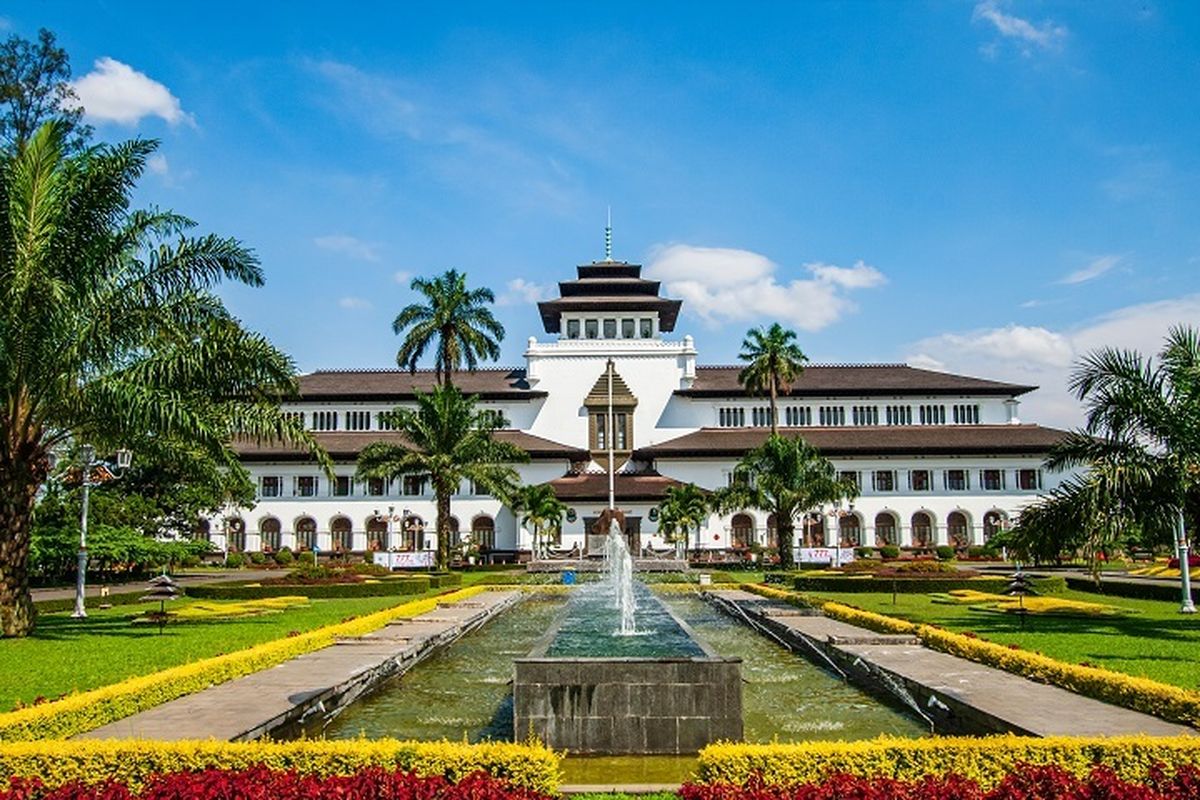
(184, 579)
(949, 687)
(250, 707)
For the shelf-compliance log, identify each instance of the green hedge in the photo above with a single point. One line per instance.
(68, 603)
(917, 585)
(443, 580)
(1135, 591)
(319, 591)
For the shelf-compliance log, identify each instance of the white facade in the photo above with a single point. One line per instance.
(979, 462)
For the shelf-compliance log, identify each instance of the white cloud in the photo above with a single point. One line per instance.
(1027, 36)
(402, 277)
(1045, 358)
(116, 92)
(519, 291)
(354, 303)
(157, 164)
(1092, 271)
(349, 246)
(724, 285)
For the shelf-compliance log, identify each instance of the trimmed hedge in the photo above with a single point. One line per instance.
(86, 711)
(443, 580)
(387, 587)
(985, 760)
(531, 766)
(920, 584)
(1134, 591)
(68, 603)
(1140, 694)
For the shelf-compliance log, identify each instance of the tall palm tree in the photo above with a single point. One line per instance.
(450, 439)
(110, 333)
(774, 362)
(1140, 442)
(786, 477)
(455, 319)
(685, 508)
(541, 510)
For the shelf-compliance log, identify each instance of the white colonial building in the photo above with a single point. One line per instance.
(939, 458)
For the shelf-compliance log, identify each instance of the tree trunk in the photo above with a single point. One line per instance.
(785, 528)
(443, 529)
(774, 416)
(18, 492)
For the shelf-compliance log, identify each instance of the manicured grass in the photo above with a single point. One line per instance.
(66, 655)
(1157, 642)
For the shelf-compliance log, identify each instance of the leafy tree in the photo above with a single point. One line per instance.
(1140, 447)
(786, 477)
(455, 319)
(540, 509)
(774, 362)
(685, 508)
(110, 333)
(450, 439)
(35, 87)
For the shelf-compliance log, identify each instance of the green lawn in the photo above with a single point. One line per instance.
(1158, 642)
(67, 655)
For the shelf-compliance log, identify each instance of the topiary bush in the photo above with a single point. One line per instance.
(235, 561)
(284, 557)
(258, 559)
(944, 552)
(889, 551)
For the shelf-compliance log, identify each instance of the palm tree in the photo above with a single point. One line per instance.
(456, 318)
(110, 333)
(1140, 442)
(540, 509)
(450, 440)
(685, 508)
(786, 477)
(774, 362)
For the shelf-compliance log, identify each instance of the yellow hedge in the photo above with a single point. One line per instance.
(132, 761)
(86, 711)
(986, 760)
(1140, 694)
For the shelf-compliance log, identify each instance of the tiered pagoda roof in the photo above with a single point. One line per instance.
(604, 286)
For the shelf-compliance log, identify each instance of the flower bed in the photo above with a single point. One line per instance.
(916, 583)
(221, 769)
(88, 710)
(984, 761)
(1026, 783)
(1140, 694)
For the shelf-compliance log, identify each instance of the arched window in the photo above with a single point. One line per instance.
(993, 523)
(455, 535)
(850, 530)
(922, 529)
(414, 533)
(377, 533)
(741, 530)
(235, 530)
(772, 532)
(203, 531)
(269, 529)
(340, 530)
(814, 530)
(483, 532)
(306, 533)
(885, 530)
(957, 529)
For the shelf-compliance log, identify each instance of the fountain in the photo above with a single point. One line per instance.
(621, 673)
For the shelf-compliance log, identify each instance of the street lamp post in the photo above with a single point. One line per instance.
(1185, 578)
(90, 462)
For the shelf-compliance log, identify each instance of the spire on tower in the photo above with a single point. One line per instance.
(608, 237)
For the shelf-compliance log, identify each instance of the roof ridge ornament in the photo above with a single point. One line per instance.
(608, 237)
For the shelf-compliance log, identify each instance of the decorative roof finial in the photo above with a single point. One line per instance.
(608, 237)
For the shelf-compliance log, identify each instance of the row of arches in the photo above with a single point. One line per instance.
(811, 531)
(341, 532)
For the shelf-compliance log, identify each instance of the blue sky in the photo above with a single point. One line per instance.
(986, 187)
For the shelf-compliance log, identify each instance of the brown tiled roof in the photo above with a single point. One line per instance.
(867, 441)
(394, 384)
(827, 380)
(594, 486)
(551, 310)
(346, 445)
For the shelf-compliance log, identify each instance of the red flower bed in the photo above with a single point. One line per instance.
(260, 783)
(1026, 783)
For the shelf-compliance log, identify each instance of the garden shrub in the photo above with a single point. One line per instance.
(318, 591)
(258, 559)
(944, 552)
(284, 557)
(235, 560)
(984, 760)
(1025, 782)
(864, 552)
(889, 551)
(136, 763)
(975, 551)
(85, 711)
